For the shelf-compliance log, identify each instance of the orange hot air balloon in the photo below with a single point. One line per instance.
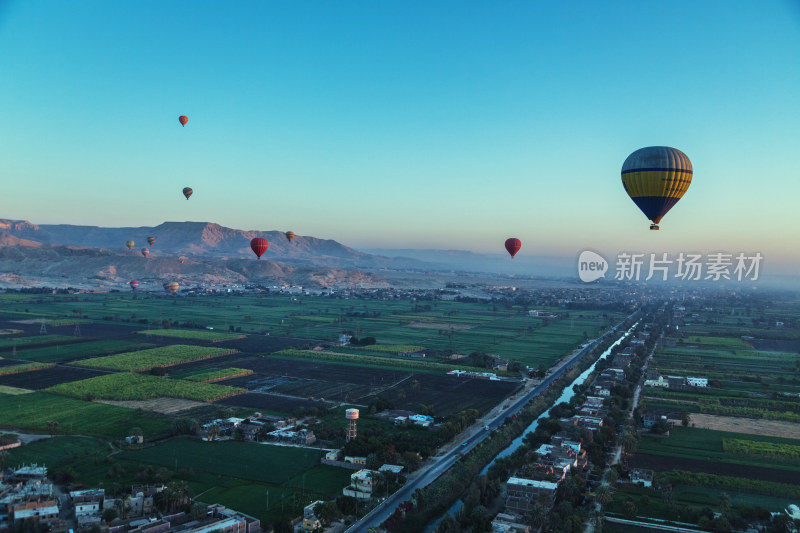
(145, 252)
(183, 119)
(259, 245)
(187, 192)
(151, 241)
(129, 244)
(290, 235)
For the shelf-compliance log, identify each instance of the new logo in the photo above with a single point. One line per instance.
(591, 266)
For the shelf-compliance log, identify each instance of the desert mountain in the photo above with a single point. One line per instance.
(193, 252)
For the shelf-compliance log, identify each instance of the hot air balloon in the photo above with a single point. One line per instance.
(512, 246)
(183, 119)
(151, 241)
(134, 284)
(187, 192)
(171, 287)
(259, 245)
(655, 178)
(145, 252)
(290, 235)
(129, 244)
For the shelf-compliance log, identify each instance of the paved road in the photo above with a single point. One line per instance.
(428, 473)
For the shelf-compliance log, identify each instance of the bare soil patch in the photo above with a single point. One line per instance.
(165, 406)
(440, 325)
(752, 426)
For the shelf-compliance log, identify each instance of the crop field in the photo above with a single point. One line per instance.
(192, 334)
(335, 381)
(163, 356)
(80, 350)
(48, 377)
(245, 460)
(273, 403)
(709, 445)
(8, 343)
(84, 455)
(690, 496)
(23, 367)
(33, 412)
(211, 376)
(476, 326)
(126, 386)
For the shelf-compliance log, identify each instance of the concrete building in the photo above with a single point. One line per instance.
(360, 485)
(310, 520)
(522, 494)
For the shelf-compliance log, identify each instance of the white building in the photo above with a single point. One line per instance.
(697, 382)
(660, 382)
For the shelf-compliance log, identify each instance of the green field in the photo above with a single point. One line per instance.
(162, 356)
(84, 455)
(210, 376)
(244, 460)
(126, 386)
(508, 332)
(33, 412)
(20, 342)
(24, 367)
(79, 350)
(198, 335)
(708, 445)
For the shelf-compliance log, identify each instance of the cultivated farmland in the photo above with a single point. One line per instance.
(163, 356)
(126, 386)
(191, 334)
(35, 410)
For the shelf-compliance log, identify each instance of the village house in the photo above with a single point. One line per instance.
(522, 494)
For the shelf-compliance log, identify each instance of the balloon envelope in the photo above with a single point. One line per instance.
(259, 245)
(513, 245)
(655, 178)
(151, 241)
(183, 119)
(171, 287)
(290, 235)
(145, 252)
(133, 284)
(129, 244)
(187, 192)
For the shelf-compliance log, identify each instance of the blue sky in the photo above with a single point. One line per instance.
(406, 124)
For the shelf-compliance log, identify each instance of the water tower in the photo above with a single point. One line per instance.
(352, 417)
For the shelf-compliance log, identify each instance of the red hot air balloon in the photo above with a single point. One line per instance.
(183, 119)
(133, 284)
(145, 252)
(513, 245)
(259, 245)
(151, 241)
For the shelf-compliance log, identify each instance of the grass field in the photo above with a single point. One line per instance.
(197, 335)
(79, 350)
(127, 386)
(163, 356)
(33, 411)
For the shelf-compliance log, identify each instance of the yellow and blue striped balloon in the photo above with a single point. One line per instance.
(655, 178)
